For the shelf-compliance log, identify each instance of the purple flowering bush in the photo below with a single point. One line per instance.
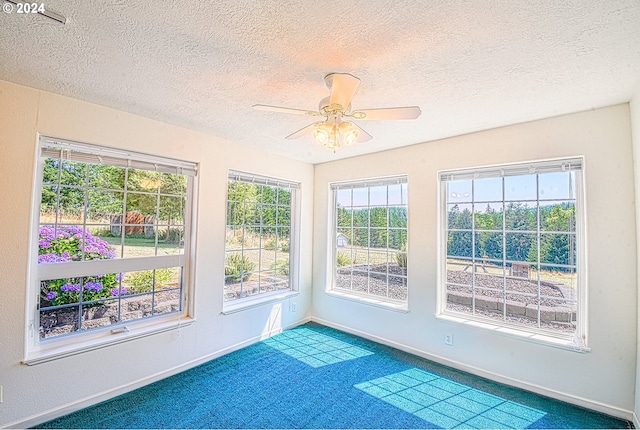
(67, 243)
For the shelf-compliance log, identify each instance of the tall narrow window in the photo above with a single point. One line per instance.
(260, 236)
(370, 238)
(112, 240)
(513, 246)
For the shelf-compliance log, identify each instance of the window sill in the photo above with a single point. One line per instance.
(539, 338)
(249, 303)
(370, 300)
(69, 346)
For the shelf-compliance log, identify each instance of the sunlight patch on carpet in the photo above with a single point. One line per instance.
(448, 404)
(313, 348)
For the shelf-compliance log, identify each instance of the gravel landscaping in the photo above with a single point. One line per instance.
(64, 321)
(555, 310)
(520, 290)
(372, 279)
(255, 285)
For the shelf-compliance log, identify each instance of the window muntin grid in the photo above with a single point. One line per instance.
(259, 236)
(370, 220)
(512, 245)
(127, 226)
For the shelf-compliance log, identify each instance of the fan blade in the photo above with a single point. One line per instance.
(408, 112)
(343, 87)
(303, 131)
(286, 110)
(363, 136)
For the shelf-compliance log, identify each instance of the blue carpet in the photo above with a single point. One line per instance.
(317, 377)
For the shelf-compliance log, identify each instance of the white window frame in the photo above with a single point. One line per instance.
(39, 351)
(361, 297)
(232, 306)
(575, 342)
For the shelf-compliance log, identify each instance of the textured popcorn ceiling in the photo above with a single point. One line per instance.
(469, 65)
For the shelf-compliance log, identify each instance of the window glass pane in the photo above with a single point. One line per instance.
(70, 204)
(558, 217)
(558, 249)
(536, 288)
(106, 177)
(398, 194)
(102, 212)
(378, 217)
(459, 244)
(139, 246)
(487, 190)
(520, 246)
(78, 304)
(50, 171)
(360, 196)
(173, 184)
(284, 196)
(459, 191)
(139, 206)
(398, 239)
(459, 216)
(488, 216)
(144, 180)
(73, 173)
(378, 196)
(170, 240)
(171, 210)
(257, 240)
(371, 253)
(361, 237)
(557, 186)
(344, 217)
(521, 216)
(489, 245)
(397, 217)
(520, 187)
(284, 215)
(66, 243)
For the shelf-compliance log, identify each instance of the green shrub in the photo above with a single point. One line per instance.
(66, 243)
(343, 259)
(237, 267)
(281, 266)
(401, 257)
(142, 282)
(170, 235)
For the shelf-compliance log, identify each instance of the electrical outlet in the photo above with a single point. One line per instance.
(293, 306)
(448, 339)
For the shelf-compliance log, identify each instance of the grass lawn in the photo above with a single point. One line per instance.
(142, 246)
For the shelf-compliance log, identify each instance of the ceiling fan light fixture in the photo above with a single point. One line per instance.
(327, 134)
(349, 133)
(333, 132)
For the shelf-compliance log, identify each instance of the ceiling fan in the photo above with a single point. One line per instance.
(335, 129)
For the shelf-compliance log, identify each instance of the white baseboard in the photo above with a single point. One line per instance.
(108, 394)
(636, 423)
(565, 397)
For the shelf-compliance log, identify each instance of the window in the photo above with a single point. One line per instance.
(260, 237)
(513, 246)
(112, 238)
(370, 239)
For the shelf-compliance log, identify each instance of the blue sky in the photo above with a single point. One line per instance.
(553, 186)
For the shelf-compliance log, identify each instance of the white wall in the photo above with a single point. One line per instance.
(34, 393)
(635, 137)
(603, 378)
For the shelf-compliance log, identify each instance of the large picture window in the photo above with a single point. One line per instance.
(370, 238)
(112, 240)
(260, 236)
(513, 246)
